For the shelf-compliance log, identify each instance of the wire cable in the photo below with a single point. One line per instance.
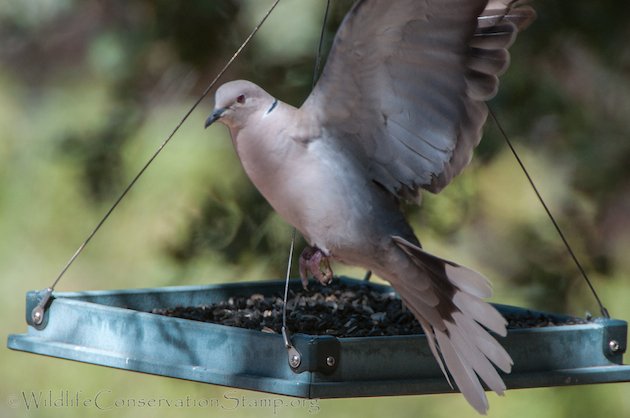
(602, 309)
(161, 147)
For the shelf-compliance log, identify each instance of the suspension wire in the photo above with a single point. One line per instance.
(316, 70)
(286, 290)
(161, 147)
(602, 309)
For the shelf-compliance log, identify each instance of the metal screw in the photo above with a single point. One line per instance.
(330, 361)
(614, 346)
(294, 361)
(37, 317)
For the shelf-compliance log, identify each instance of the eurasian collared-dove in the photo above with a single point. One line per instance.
(399, 108)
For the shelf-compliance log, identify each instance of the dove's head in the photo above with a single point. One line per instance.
(236, 101)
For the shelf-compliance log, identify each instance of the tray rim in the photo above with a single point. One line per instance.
(312, 384)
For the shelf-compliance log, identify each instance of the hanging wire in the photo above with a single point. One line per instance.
(602, 309)
(285, 331)
(161, 147)
(316, 70)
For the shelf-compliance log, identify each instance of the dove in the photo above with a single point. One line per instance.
(398, 109)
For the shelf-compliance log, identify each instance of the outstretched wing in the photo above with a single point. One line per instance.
(405, 85)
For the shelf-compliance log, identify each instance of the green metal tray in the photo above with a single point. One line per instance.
(115, 329)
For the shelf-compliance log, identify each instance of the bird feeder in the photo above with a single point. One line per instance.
(117, 329)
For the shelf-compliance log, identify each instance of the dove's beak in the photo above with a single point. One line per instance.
(216, 115)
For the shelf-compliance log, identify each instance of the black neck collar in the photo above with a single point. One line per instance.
(273, 106)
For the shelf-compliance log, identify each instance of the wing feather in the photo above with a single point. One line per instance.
(406, 83)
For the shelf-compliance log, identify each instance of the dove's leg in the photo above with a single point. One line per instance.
(314, 261)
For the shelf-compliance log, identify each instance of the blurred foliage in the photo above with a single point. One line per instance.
(88, 89)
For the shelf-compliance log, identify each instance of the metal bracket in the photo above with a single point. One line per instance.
(315, 354)
(325, 354)
(295, 358)
(614, 339)
(36, 315)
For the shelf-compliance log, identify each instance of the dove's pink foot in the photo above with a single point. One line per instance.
(314, 261)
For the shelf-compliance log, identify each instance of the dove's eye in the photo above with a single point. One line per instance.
(240, 99)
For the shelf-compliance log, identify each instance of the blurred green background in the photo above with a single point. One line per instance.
(89, 89)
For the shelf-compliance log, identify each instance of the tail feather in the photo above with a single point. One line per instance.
(481, 312)
(464, 376)
(489, 346)
(428, 298)
(417, 305)
(468, 280)
(429, 332)
(458, 326)
(478, 361)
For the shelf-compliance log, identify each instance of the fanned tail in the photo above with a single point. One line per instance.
(456, 321)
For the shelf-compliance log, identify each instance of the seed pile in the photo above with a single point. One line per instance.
(339, 309)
